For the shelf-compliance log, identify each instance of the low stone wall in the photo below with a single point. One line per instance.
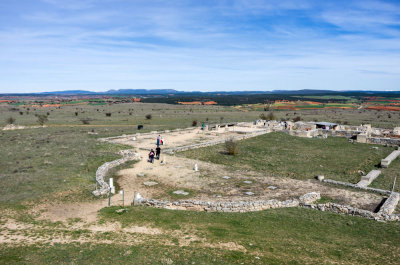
(351, 185)
(366, 180)
(229, 206)
(305, 201)
(215, 142)
(239, 206)
(390, 204)
(385, 141)
(389, 159)
(103, 170)
(349, 210)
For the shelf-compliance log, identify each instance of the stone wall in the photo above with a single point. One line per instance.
(384, 141)
(349, 210)
(351, 185)
(389, 159)
(102, 171)
(366, 180)
(305, 201)
(390, 204)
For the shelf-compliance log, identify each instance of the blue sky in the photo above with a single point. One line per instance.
(49, 45)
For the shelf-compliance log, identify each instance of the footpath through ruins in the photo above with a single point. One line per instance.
(212, 187)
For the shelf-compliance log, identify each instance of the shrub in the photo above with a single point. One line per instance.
(298, 118)
(10, 120)
(21, 113)
(231, 147)
(148, 116)
(76, 113)
(263, 116)
(42, 119)
(85, 121)
(194, 123)
(271, 116)
(108, 114)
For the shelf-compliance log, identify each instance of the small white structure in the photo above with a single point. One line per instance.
(112, 186)
(196, 168)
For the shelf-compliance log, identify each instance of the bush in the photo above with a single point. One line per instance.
(10, 120)
(231, 147)
(76, 113)
(194, 123)
(298, 118)
(42, 119)
(263, 116)
(148, 116)
(108, 114)
(85, 121)
(271, 116)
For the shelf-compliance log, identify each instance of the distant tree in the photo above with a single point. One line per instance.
(108, 114)
(194, 123)
(42, 119)
(76, 113)
(148, 116)
(10, 120)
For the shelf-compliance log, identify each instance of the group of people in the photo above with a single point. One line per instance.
(156, 154)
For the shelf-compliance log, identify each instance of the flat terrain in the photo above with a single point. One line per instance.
(282, 155)
(48, 215)
(155, 236)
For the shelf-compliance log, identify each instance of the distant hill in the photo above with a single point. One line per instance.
(165, 92)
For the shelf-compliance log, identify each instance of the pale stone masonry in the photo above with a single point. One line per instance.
(390, 204)
(102, 171)
(366, 180)
(389, 159)
(306, 201)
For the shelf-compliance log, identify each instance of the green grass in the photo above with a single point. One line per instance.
(278, 236)
(279, 154)
(38, 162)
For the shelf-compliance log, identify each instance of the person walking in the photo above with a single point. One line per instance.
(158, 152)
(158, 140)
(151, 156)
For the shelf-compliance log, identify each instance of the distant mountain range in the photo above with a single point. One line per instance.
(176, 92)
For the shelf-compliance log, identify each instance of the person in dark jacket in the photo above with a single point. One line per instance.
(151, 156)
(158, 152)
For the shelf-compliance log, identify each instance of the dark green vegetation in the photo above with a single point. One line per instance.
(279, 154)
(282, 236)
